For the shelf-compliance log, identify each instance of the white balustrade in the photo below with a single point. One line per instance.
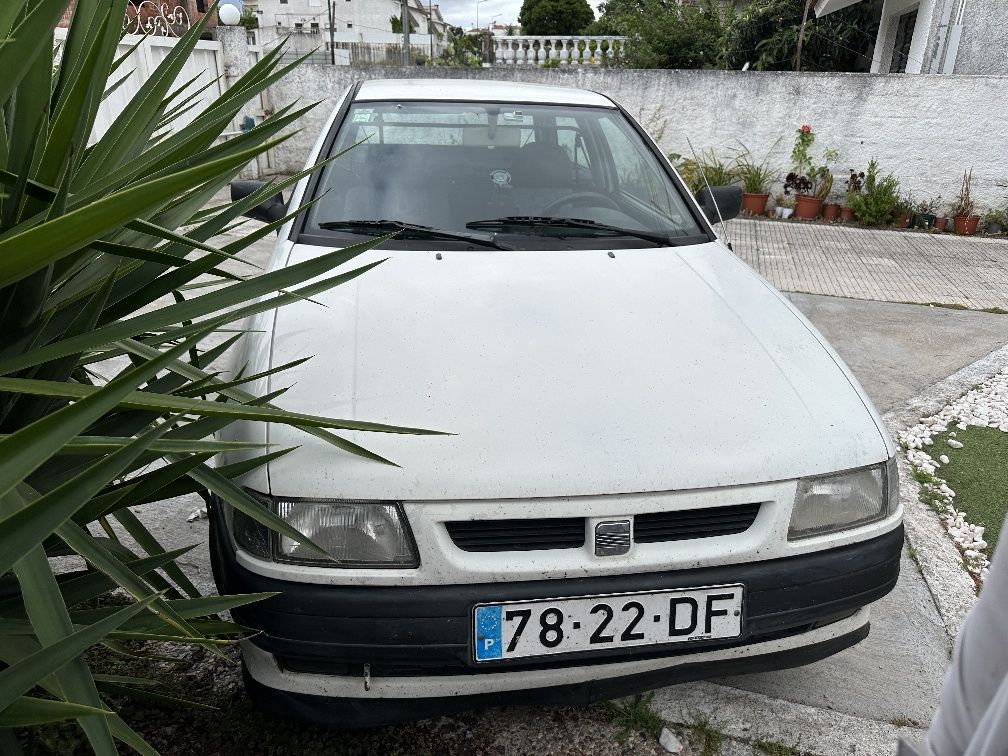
(557, 50)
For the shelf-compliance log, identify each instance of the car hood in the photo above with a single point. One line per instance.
(563, 373)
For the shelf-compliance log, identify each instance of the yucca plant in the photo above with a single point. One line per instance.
(106, 400)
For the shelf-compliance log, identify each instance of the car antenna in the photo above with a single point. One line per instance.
(699, 163)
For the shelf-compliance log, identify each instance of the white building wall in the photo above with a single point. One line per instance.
(359, 16)
(898, 119)
(917, 61)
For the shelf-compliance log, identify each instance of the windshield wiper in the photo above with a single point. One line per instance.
(406, 231)
(536, 220)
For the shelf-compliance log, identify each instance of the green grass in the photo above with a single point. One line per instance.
(709, 739)
(773, 748)
(979, 476)
(636, 715)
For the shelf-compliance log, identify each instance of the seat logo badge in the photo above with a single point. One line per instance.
(612, 538)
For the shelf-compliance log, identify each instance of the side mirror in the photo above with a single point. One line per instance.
(269, 211)
(727, 199)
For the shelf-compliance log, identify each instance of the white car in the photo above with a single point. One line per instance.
(659, 470)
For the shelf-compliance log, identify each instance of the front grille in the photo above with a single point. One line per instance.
(569, 532)
(657, 527)
(518, 535)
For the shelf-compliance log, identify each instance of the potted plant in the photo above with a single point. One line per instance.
(926, 213)
(995, 221)
(855, 183)
(831, 208)
(964, 216)
(785, 206)
(811, 183)
(757, 178)
(874, 205)
(903, 211)
(941, 220)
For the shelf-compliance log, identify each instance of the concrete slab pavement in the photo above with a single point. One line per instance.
(881, 264)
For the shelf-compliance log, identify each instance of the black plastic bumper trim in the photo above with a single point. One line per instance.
(356, 713)
(419, 628)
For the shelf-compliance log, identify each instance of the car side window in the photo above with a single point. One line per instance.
(636, 176)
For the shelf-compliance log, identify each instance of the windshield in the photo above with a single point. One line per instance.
(525, 176)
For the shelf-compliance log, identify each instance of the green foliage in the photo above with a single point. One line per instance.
(765, 35)
(249, 19)
(396, 22)
(546, 17)
(996, 216)
(666, 33)
(757, 176)
(709, 739)
(693, 171)
(636, 715)
(874, 205)
(99, 379)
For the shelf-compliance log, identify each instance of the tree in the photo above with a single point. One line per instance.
(666, 33)
(396, 22)
(547, 17)
(108, 398)
(765, 35)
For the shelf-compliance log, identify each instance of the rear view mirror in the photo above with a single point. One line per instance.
(271, 210)
(727, 199)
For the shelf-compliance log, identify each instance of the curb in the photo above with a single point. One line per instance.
(940, 562)
(744, 715)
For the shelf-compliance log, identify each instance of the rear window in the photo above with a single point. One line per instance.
(447, 165)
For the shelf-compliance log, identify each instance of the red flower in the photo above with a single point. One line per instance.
(806, 128)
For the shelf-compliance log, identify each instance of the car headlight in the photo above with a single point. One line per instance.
(353, 533)
(829, 503)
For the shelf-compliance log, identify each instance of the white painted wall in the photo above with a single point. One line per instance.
(205, 62)
(919, 49)
(924, 129)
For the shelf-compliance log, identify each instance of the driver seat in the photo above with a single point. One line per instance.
(541, 174)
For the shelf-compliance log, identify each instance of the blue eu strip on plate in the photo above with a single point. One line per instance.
(488, 632)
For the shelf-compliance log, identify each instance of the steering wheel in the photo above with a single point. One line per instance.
(572, 199)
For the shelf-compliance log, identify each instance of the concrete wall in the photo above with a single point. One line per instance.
(983, 47)
(924, 129)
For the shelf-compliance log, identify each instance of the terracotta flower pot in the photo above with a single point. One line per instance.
(903, 220)
(807, 207)
(846, 214)
(939, 223)
(830, 211)
(754, 204)
(966, 225)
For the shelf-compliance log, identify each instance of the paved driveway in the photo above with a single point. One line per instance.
(885, 265)
(858, 700)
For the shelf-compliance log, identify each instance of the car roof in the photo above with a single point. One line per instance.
(477, 90)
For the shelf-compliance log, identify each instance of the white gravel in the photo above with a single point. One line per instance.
(984, 406)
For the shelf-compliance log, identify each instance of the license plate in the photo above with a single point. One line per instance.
(596, 623)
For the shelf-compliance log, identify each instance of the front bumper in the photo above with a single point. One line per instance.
(415, 640)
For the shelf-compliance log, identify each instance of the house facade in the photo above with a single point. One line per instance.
(937, 36)
(360, 18)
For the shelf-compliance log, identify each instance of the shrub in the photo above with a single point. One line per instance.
(100, 380)
(707, 164)
(876, 202)
(757, 177)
